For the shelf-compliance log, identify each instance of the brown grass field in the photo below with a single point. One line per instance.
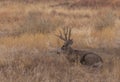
(28, 43)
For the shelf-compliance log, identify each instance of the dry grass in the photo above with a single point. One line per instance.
(28, 45)
(33, 66)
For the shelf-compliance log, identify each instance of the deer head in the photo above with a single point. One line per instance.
(65, 35)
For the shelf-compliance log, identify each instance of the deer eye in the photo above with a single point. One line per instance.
(63, 47)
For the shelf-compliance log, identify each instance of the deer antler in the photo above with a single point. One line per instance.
(66, 34)
(61, 36)
(69, 35)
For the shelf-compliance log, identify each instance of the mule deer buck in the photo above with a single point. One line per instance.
(79, 56)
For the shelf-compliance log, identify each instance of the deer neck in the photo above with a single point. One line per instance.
(69, 51)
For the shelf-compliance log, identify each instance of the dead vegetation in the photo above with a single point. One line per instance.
(28, 45)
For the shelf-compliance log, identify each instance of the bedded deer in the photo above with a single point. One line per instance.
(83, 57)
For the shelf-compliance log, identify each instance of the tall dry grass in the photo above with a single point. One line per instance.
(28, 43)
(21, 64)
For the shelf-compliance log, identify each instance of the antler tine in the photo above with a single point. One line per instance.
(61, 36)
(69, 35)
(65, 33)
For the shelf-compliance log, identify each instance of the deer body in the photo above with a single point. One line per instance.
(83, 57)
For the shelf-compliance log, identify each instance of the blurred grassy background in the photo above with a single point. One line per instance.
(27, 37)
